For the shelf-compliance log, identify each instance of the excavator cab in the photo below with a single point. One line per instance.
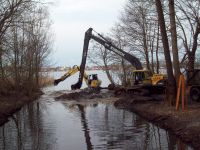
(145, 77)
(141, 77)
(93, 81)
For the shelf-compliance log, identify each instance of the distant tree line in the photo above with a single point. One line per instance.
(156, 30)
(24, 44)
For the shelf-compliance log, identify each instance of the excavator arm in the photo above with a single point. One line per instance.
(69, 73)
(108, 45)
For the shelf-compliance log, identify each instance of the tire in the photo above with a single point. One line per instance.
(195, 94)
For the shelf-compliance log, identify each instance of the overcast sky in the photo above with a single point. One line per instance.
(71, 18)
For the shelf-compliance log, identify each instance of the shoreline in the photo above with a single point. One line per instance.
(10, 104)
(183, 124)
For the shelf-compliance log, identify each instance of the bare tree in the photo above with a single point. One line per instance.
(25, 43)
(140, 25)
(174, 40)
(189, 24)
(171, 79)
(100, 56)
(120, 41)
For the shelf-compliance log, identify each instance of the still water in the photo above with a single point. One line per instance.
(47, 124)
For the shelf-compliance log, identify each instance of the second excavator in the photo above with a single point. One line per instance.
(91, 80)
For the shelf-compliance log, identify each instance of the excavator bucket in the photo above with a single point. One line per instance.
(76, 85)
(57, 81)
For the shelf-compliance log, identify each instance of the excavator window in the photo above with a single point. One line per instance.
(139, 77)
(94, 76)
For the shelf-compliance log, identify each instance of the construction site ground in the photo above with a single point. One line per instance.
(184, 124)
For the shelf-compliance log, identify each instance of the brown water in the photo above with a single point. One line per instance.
(55, 125)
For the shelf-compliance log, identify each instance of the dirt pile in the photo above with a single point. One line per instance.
(85, 94)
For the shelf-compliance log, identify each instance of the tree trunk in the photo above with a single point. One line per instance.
(124, 80)
(152, 50)
(157, 46)
(107, 72)
(1, 63)
(171, 79)
(191, 61)
(146, 49)
(174, 40)
(147, 57)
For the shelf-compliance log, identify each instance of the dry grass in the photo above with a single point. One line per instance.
(45, 81)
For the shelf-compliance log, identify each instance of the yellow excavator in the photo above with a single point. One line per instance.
(91, 80)
(141, 79)
(144, 77)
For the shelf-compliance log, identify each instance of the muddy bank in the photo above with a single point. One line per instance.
(14, 101)
(85, 94)
(185, 125)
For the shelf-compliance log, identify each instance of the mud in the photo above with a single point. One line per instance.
(85, 94)
(13, 102)
(85, 97)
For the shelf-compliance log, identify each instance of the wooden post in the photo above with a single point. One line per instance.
(181, 90)
(178, 93)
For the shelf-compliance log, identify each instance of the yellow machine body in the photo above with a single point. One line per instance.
(95, 83)
(91, 80)
(146, 78)
(156, 78)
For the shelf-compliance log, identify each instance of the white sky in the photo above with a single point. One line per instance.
(71, 18)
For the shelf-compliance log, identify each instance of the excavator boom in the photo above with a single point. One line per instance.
(70, 72)
(108, 45)
(91, 80)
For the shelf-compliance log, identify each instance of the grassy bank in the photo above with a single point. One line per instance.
(184, 124)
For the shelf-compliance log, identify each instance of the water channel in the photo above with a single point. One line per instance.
(47, 124)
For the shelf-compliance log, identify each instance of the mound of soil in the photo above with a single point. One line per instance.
(85, 94)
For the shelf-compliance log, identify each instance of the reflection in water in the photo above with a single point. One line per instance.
(52, 125)
(24, 130)
(3, 139)
(108, 128)
(85, 127)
